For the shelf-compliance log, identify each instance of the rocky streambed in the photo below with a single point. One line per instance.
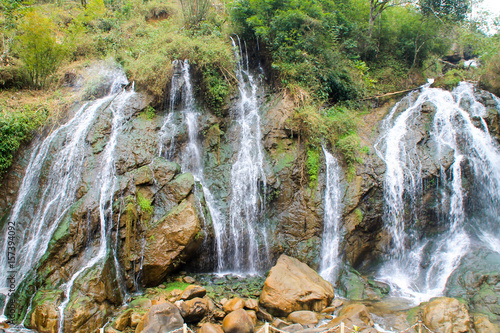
(293, 298)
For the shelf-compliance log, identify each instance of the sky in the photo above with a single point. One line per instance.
(492, 6)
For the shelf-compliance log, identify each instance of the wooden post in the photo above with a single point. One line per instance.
(184, 328)
(419, 326)
(342, 327)
(266, 328)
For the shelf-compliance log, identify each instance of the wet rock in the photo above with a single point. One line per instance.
(233, 304)
(174, 238)
(136, 318)
(303, 317)
(193, 291)
(161, 318)
(446, 315)
(181, 186)
(238, 321)
(292, 286)
(45, 315)
(210, 328)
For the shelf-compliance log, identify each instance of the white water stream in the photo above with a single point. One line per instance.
(418, 265)
(247, 247)
(330, 246)
(48, 187)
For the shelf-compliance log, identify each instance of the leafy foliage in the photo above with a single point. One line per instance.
(38, 48)
(16, 127)
(452, 9)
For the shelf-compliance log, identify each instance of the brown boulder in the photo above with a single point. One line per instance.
(210, 328)
(252, 304)
(253, 316)
(193, 291)
(170, 241)
(303, 317)
(354, 314)
(161, 318)
(194, 309)
(446, 315)
(237, 321)
(482, 324)
(233, 305)
(123, 320)
(293, 286)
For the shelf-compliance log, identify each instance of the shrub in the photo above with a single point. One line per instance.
(38, 48)
(15, 128)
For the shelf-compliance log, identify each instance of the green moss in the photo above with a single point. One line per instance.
(312, 164)
(359, 214)
(148, 113)
(175, 285)
(144, 203)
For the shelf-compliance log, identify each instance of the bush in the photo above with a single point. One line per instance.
(38, 48)
(16, 128)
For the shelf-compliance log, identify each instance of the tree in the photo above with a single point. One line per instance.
(452, 9)
(38, 48)
(378, 6)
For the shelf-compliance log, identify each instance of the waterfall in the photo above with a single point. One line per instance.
(108, 181)
(330, 254)
(247, 249)
(191, 156)
(418, 265)
(48, 188)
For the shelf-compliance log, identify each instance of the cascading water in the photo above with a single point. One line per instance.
(418, 265)
(108, 182)
(48, 188)
(246, 239)
(191, 159)
(330, 258)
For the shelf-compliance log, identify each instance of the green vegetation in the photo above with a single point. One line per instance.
(16, 128)
(148, 113)
(324, 55)
(144, 203)
(312, 164)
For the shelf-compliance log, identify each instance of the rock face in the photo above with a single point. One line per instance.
(172, 239)
(446, 315)
(303, 317)
(292, 286)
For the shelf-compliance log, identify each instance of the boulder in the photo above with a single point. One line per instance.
(173, 239)
(292, 286)
(161, 318)
(303, 317)
(253, 316)
(189, 279)
(123, 320)
(293, 328)
(264, 315)
(210, 328)
(233, 304)
(192, 292)
(482, 324)
(252, 304)
(238, 321)
(446, 315)
(278, 323)
(353, 315)
(194, 309)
